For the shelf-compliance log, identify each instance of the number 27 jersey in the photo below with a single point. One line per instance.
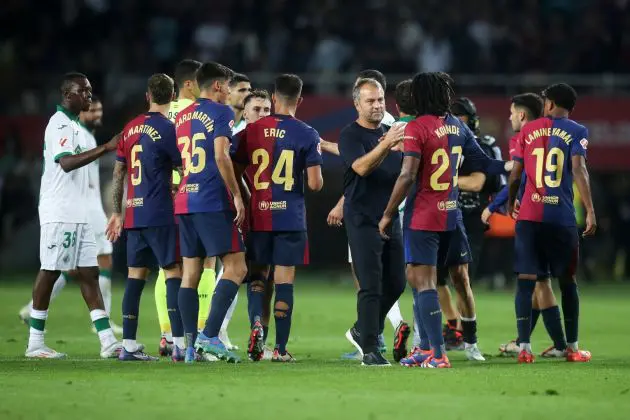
(202, 188)
(545, 147)
(277, 150)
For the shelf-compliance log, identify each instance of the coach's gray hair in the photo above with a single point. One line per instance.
(362, 82)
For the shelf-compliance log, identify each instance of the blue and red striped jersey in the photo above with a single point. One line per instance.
(545, 147)
(277, 150)
(149, 150)
(198, 126)
(441, 144)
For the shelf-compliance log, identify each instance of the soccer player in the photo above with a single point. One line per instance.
(524, 108)
(209, 208)
(67, 241)
(435, 143)
(551, 151)
(276, 152)
(89, 121)
(185, 73)
(240, 86)
(145, 158)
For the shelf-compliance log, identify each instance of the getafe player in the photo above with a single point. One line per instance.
(552, 153)
(146, 157)
(276, 151)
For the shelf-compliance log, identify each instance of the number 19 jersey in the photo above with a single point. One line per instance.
(545, 147)
(202, 188)
(277, 150)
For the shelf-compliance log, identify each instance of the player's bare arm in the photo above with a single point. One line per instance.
(405, 180)
(71, 162)
(239, 171)
(315, 179)
(514, 181)
(335, 217)
(329, 147)
(581, 177)
(114, 226)
(364, 165)
(473, 182)
(226, 169)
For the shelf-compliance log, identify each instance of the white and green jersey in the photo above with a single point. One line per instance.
(96, 215)
(63, 196)
(239, 127)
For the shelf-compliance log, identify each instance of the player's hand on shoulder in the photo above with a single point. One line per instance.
(591, 224)
(114, 227)
(384, 225)
(335, 217)
(112, 144)
(509, 165)
(239, 206)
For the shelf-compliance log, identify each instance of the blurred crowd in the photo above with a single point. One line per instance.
(118, 43)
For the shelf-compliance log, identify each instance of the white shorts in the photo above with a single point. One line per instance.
(66, 246)
(98, 222)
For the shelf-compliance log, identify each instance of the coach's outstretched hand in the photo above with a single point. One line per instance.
(384, 225)
(240, 210)
(395, 136)
(112, 144)
(114, 227)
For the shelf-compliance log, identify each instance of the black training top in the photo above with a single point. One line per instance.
(366, 197)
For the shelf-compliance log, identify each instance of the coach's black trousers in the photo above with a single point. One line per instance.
(380, 269)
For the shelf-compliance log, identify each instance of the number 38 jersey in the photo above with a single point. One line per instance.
(149, 150)
(441, 144)
(545, 147)
(277, 150)
(202, 188)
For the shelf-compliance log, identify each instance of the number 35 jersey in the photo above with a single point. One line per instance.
(277, 150)
(149, 150)
(441, 144)
(202, 188)
(545, 147)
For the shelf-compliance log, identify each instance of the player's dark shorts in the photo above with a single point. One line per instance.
(545, 249)
(448, 248)
(209, 234)
(146, 245)
(278, 248)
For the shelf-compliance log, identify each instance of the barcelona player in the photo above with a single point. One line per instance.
(435, 143)
(551, 151)
(146, 157)
(276, 152)
(209, 209)
(188, 91)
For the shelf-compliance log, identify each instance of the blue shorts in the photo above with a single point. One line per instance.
(545, 249)
(209, 234)
(146, 245)
(278, 248)
(438, 249)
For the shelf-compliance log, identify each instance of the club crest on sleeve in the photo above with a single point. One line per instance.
(584, 144)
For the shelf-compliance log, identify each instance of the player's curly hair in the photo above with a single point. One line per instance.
(432, 93)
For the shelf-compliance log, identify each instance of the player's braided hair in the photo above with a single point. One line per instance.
(432, 93)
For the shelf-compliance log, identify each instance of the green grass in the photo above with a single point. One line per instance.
(320, 385)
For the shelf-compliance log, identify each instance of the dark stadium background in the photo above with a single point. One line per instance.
(494, 49)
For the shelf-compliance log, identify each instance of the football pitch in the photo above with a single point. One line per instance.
(319, 385)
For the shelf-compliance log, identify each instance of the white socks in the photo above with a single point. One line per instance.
(394, 315)
(105, 284)
(101, 323)
(36, 335)
(179, 342)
